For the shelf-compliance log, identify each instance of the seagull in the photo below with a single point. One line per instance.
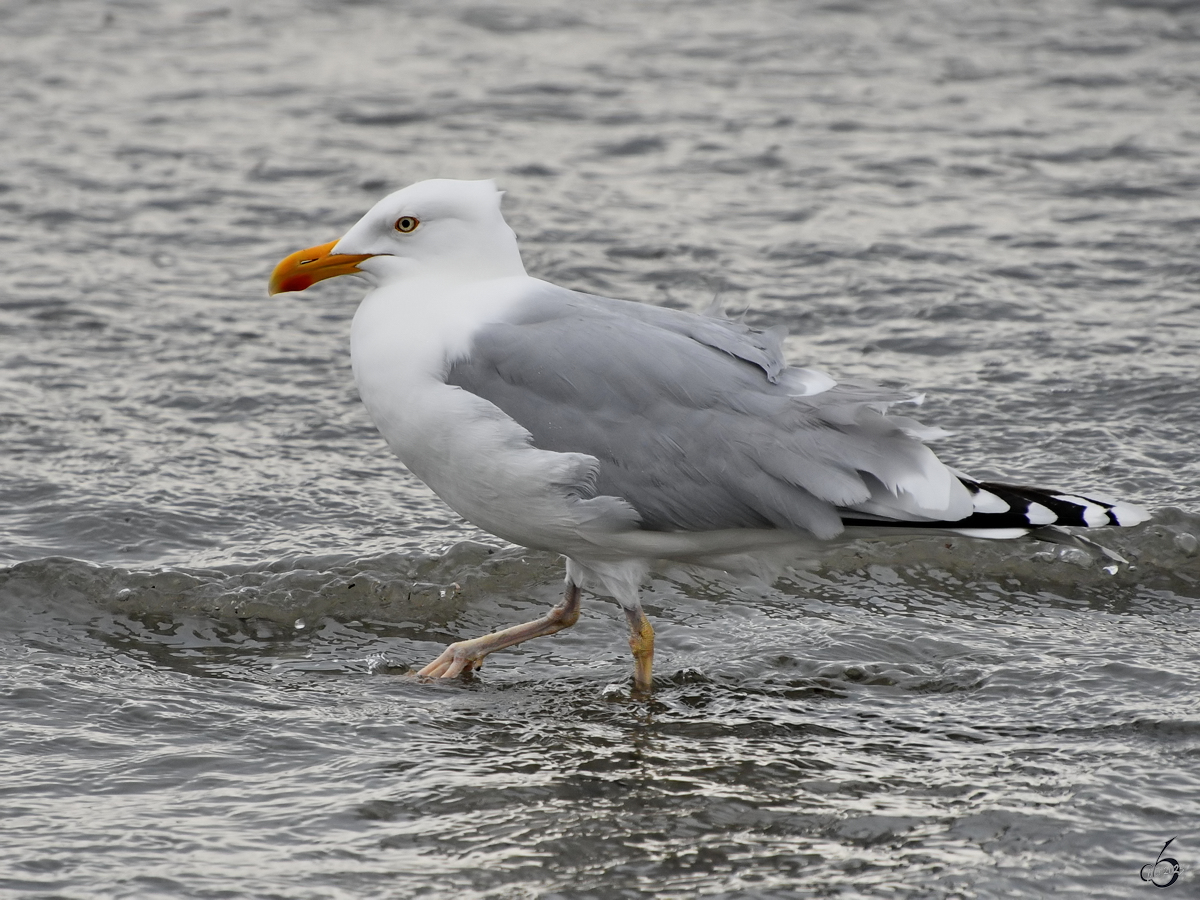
(620, 434)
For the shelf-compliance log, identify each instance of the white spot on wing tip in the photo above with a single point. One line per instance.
(1095, 516)
(987, 502)
(1128, 514)
(1037, 514)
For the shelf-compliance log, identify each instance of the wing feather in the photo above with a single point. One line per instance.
(695, 422)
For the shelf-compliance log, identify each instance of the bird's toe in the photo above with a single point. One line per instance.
(455, 660)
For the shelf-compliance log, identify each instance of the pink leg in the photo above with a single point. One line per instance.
(463, 656)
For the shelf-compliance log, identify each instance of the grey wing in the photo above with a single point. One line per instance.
(692, 420)
(761, 348)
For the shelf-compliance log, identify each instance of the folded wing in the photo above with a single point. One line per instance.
(697, 422)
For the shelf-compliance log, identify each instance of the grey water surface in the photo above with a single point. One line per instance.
(218, 580)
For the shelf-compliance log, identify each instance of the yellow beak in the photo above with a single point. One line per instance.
(304, 268)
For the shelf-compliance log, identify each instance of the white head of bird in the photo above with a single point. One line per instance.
(442, 229)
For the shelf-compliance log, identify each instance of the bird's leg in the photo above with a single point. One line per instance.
(463, 656)
(641, 642)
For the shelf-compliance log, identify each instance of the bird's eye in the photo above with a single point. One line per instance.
(405, 224)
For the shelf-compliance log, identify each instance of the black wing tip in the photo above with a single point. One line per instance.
(1041, 506)
(1004, 507)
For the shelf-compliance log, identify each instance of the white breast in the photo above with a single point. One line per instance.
(402, 343)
